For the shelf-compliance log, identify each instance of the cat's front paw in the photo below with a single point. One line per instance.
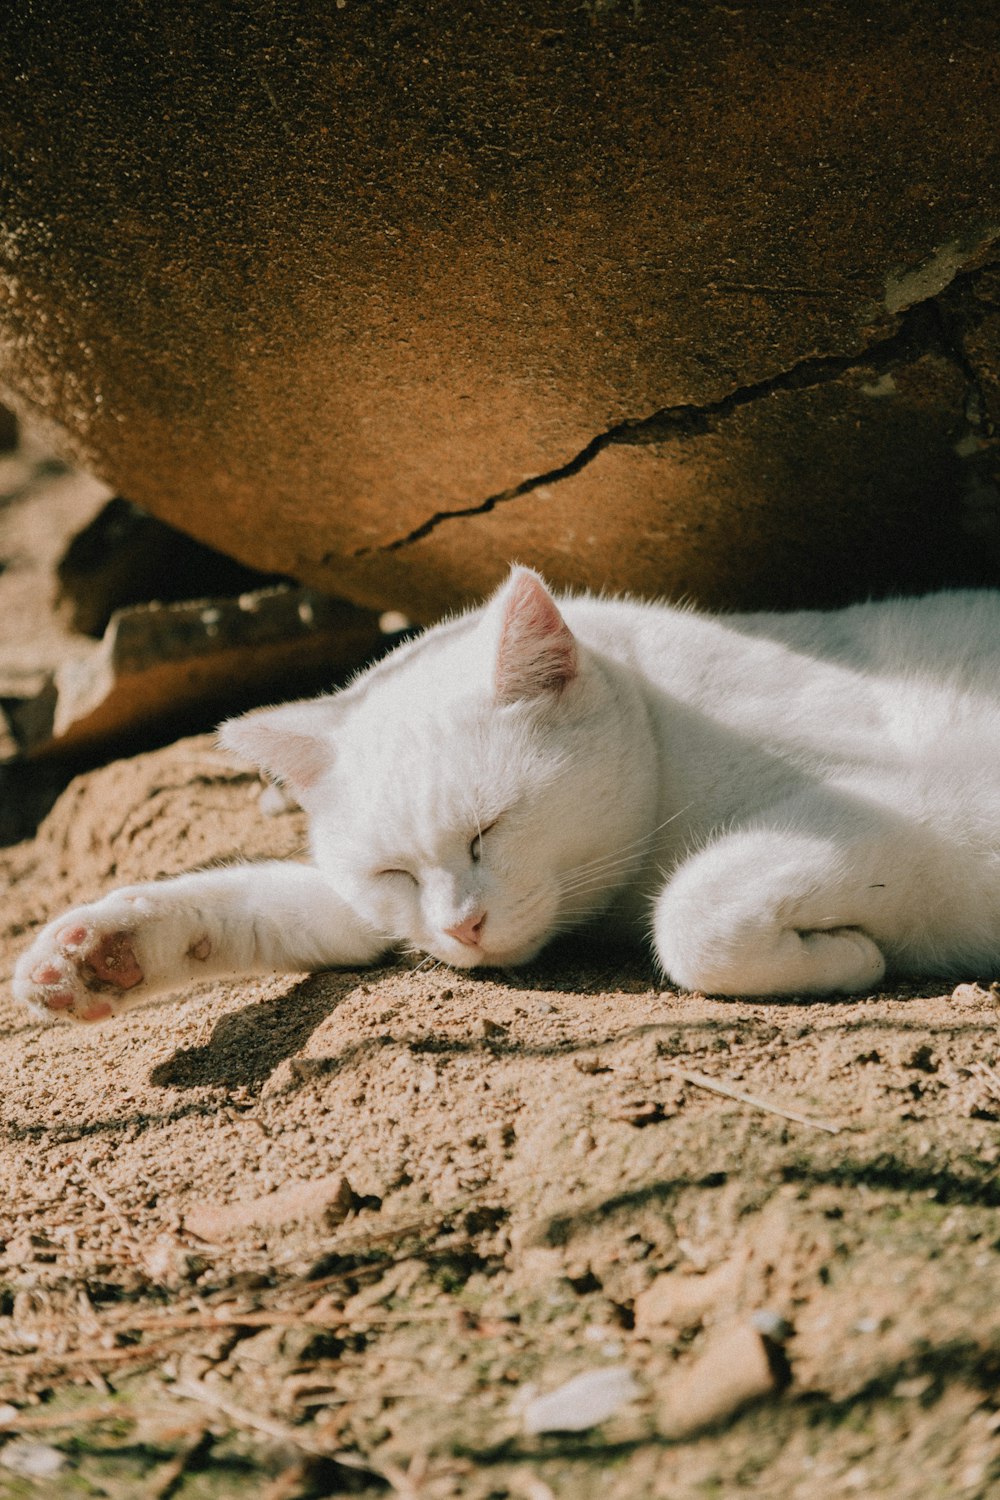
(81, 967)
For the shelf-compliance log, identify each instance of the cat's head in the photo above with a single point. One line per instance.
(457, 790)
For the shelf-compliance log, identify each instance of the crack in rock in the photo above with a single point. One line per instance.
(921, 330)
(936, 273)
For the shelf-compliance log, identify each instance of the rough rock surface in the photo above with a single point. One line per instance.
(73, 565)
(527, 1178)
(692, 299)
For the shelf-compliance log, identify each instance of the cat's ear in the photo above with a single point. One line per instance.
(293, 743)
(537, 652)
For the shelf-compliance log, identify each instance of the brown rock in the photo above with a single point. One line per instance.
(157, 668)
(324, 1203)
(654, 297)
(125, 557)
(681, 1302)
(160, 668)
(40, 512)
(736, 1366)
(726, 515)
(157, 665)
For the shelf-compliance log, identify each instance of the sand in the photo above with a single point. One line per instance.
(311, 1235)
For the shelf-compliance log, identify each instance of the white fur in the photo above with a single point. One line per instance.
(788, 803)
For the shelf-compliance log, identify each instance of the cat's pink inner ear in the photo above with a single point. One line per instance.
(537, 651)
(290, 743)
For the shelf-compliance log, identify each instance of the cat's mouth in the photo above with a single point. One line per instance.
(458, 955)
(462, 956)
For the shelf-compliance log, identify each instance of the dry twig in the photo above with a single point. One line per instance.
(729, 1091)
(275, 1318)
(100, 1192)
(42, 1421)
(20, 1363)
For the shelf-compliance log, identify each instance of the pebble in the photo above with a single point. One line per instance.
(682, 1301)
(970, 994)
(736, 1366)
(583, 1402)
(771, 1324)
(170, 1264)
(636, 1111)
(327, 1200)
(32, 1460)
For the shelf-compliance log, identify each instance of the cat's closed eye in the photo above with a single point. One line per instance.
(408, 874)
(476, 847)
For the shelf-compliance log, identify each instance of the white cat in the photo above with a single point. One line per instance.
(785, 803)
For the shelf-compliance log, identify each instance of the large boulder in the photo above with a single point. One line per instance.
(689, 299)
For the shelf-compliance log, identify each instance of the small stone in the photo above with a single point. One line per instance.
(159, 1262)
(771, 1324)
(492, 1028)
(912, 1389)
(32, 1460)
(170, 1264)
(736, 1366)
(682, 1301)
(325, 1202)
(590, 1065)
(637, 1112)
(581, 1403)
(969, 994)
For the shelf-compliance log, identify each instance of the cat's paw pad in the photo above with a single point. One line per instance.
(78, 970)
(104, 957)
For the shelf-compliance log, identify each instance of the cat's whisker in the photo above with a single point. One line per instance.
(587, 872)
(595, 879)
(625, 852)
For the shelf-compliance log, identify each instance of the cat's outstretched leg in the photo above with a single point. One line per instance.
(98, 960)
(769, 912)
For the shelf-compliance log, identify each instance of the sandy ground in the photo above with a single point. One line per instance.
(508, 1181)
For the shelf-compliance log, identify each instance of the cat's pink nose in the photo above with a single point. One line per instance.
(470, 931)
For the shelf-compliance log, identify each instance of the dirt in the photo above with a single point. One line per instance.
(518, 1178)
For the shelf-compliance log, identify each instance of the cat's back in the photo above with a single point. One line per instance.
(937, 637)
(948, 637)
(852, 685)
(957, 626)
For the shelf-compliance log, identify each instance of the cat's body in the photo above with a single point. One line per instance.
(785, 803)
